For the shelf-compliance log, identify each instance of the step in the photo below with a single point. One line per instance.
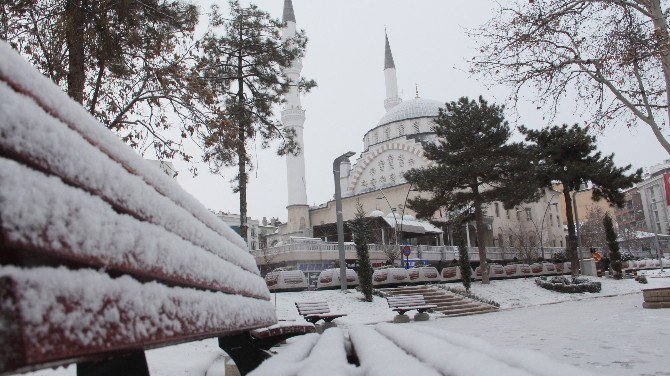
(469, 310)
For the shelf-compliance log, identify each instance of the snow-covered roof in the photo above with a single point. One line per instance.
(414, 226)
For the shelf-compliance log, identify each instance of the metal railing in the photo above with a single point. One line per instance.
(423, 252)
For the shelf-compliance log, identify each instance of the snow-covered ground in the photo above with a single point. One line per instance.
(608, 332)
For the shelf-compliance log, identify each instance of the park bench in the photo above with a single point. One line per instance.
(102, 255)
(404, 303)
(317, 310)
(387, 349)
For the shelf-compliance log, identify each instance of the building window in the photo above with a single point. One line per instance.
(497, 209)
(529, 217)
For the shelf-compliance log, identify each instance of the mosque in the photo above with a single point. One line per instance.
(375, 179)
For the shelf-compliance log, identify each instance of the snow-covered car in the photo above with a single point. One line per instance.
(390, 276)
(330, 278)
(424, 274)
(451, 274)
(548, 268)
(286, 280)
(536, 268)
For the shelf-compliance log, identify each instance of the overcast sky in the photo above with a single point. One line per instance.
(345, 55)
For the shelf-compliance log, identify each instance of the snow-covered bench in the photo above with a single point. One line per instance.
(315, 311)
(102, 254)
(403, 303)
(387, 349)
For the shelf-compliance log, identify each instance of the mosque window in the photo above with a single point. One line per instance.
(373, 183)
(411, 163)
(376, 137)
(401, 130)
(387, 133)
(390, 158)
(382, 180)
(401, 161)
(392, 178)
(416, 126)
(381, 166)
(373, 171)
(364, 183)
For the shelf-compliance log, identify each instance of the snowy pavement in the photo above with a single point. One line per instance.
(606, 333)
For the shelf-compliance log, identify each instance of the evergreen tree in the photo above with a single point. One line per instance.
(129, 63)
(360, 229)
(244, 66)
(613, 245)
(474, 164)
(463, 257)
(568, 155)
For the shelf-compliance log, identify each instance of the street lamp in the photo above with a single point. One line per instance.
(395, 230)
(338, 211)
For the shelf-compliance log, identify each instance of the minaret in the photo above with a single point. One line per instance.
(392, 98)
(293, 117)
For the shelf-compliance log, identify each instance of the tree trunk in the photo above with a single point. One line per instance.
(572, 238)
(241, 149)
(479, 220)
(74, 39)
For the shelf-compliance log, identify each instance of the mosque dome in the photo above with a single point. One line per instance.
(411, 109)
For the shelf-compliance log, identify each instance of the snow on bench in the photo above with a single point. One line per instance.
(388, 349)
(103, 255)
(404, 303)
(317, 310)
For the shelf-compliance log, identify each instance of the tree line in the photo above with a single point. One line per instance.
(139, 67)
(476, 164)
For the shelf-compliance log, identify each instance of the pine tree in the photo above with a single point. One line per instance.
(568, 155)
(463, 257)
(613, 245)
(360, 229)
(244, 66)
(474, 164)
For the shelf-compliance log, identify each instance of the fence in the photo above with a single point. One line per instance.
(329, 251)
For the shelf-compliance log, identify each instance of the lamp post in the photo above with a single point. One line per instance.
(338, 212)
(395, 230)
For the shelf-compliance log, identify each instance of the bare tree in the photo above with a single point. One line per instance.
(612, 54)
(523, 241)
(591, 230)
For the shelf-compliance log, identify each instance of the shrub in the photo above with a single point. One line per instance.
(563, 284)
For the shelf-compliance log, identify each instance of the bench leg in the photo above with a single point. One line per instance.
(400, 318)
(421, 316)
(133, 364)
(243, 352)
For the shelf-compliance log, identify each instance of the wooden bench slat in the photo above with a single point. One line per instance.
(88, 231)
(536, 363)
(23, 78)
(378, 356)
(285, 362)
(56, 315)
(459, 361)
(35, 138)
(311, 355)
